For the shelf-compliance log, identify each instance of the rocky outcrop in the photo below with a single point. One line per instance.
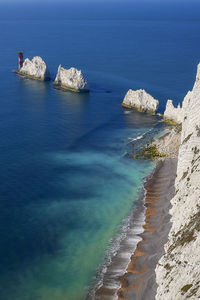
(140, 100)
(177, 114)
(35, 68)
(165, 146)
(169, 144)
(178, 271)
(173, 114)
(71, 79)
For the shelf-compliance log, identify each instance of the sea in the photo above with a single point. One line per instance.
(68, 181)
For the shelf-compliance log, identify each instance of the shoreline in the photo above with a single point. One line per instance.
(131, 275)
(115, 265)
(149, 224)
(139, 280)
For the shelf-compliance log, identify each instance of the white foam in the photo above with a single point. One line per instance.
(135, 139)
(126, 112)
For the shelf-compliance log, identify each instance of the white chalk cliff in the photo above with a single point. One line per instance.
(71, 79)
(174, 114)
(140, 100)
(35, 68)
(178, 271)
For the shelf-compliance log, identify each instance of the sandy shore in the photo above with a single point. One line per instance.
(107, 289)
(133, 267)
(139, 280)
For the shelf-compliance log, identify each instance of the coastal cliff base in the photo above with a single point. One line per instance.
(165, 146)
(139, 280)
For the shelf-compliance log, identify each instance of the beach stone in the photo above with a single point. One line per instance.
(178, 270)
(71, 79)
(141, 101)
(35, 68)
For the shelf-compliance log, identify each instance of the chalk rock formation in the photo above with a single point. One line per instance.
(35, 68)
(178, 271)
(71, 79)
(174, 114)
(140, 100)
(169, 143)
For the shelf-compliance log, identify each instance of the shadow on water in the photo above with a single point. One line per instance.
(75, 101)
(34, 86)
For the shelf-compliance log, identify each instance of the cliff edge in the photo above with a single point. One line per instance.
(178, 271)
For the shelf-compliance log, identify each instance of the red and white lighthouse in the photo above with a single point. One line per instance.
(20, 59)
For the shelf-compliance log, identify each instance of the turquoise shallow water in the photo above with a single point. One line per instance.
(65, 204)
(66, 184)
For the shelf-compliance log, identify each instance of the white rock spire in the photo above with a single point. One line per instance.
(35, 68)
(71, 79)
(172, 113)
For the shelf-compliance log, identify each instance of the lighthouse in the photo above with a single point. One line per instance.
(20, 59)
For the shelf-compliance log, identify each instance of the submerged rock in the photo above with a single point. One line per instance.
(35, 68)
(141, 101)
(71, 79)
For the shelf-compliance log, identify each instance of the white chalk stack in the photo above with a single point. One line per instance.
(71, 79)
(35, 68)
(140, 100)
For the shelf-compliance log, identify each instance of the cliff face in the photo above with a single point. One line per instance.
(71, 79)
(178, 271)
(140, 100)
(35, 68)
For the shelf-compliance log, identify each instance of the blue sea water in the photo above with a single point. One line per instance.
(66, 184)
